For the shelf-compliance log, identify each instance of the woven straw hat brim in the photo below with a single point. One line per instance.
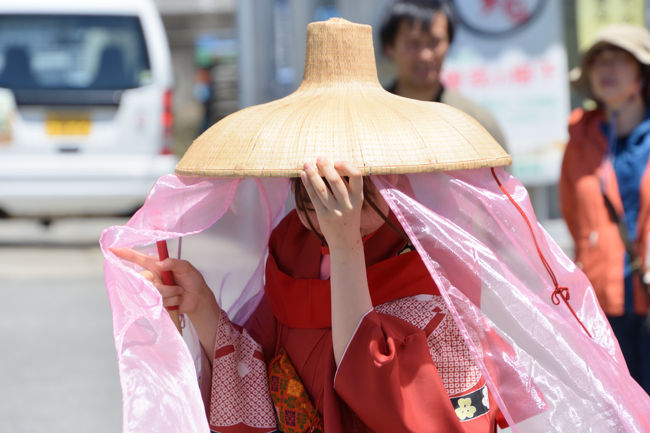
(341, 112)
(633, 39)
(366, 126)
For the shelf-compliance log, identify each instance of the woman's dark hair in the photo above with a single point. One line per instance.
(303, 204)
(415, 11)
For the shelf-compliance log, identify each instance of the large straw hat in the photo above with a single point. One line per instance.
(341, 112)
(633, 39)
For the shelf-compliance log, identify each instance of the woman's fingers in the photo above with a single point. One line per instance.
(151, 263)
(338, 185)
(172, 296)
(173, 301)
(344, 194)
(177, 266)
(188, 280)
(184, 273)
(355, 180)
(144, 260)
(169, 291)
(165, 290)
(150, 276)
(316, 188)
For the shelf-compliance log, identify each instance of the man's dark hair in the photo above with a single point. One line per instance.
(414, 11)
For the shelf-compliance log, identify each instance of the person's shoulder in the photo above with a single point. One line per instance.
(585, 136)
(577, 115)
(581, 115)
(581, 120)
(644, 126)
(476, 110)
(462, 102)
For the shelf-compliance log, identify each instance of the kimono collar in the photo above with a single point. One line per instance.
(299, 299)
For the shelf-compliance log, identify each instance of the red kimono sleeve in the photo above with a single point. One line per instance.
(239, 398)
(388, 379)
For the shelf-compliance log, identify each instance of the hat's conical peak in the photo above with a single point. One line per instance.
(341, 112)
(339, 52)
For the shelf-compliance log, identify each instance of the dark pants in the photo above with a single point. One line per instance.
(633, 336)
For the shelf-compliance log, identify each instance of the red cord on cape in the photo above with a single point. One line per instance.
(560, 292)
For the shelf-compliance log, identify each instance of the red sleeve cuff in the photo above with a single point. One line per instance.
(388, 379)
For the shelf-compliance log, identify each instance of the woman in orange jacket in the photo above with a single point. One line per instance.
(605, 185)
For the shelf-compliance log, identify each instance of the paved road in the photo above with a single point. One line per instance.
(58, 370)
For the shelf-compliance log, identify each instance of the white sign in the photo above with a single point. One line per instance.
(509, 56)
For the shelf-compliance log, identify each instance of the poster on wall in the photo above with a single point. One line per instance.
(510, 57)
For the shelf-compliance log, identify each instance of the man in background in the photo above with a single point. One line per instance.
(416, 35)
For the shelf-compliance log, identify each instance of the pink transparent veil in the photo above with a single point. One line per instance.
(545, 373)
(225, 225)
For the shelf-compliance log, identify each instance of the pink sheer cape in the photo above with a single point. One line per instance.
(546, 373)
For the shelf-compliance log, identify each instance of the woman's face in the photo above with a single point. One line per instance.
(614, 76)
(370, 220)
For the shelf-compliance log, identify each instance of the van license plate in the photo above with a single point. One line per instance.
(68, 124)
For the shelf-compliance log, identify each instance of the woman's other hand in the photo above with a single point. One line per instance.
(190, 293)
(190, 286)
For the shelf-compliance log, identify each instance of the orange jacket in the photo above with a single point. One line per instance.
(599, 250)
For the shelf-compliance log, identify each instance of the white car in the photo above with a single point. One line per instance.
(85, 106)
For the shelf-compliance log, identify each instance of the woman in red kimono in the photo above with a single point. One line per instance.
(351, 335)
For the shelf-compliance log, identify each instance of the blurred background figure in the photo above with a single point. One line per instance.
(205, 94)
(416, 35)
(604, 186)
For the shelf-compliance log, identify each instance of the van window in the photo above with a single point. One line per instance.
(72, 52)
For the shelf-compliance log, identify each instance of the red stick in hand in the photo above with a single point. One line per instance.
(168, 279)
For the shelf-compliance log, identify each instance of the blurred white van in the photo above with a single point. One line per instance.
(85, 106)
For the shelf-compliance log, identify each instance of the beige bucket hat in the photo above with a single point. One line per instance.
(341, 112)
(633, 39)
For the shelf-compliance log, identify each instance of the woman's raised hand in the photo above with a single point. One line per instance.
(339, 217)
(338, 208)
(190, 286)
